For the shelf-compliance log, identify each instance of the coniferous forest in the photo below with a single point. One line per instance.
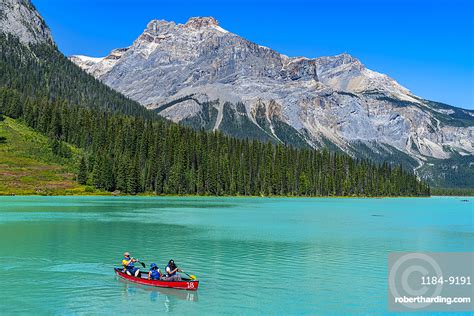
(131, 149)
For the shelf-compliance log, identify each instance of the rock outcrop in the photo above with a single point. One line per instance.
(20, 18)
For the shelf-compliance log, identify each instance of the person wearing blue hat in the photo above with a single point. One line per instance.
(155, 273)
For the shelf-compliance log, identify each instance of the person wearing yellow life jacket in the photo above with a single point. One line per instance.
(129, 266)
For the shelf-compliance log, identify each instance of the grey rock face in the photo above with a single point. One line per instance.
(20, 18)
(333, 99)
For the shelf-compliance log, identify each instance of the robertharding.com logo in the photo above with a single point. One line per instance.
(410, 280)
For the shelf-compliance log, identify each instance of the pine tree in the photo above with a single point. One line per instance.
(82, 174)
(133, 178)
(98, 172)
(122, 175)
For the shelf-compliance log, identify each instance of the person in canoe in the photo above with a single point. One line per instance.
(129, 265)
(155, 273)
(172, 272)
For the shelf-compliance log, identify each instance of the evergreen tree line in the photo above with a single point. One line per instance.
(136, 154)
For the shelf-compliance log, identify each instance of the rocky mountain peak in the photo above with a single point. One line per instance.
(201, 22)
(159, 26)
(343, 59)
(20, 18)
(200, 74)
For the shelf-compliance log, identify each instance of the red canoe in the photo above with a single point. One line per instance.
(185, 284)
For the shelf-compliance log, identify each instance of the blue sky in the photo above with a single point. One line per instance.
(427, 46)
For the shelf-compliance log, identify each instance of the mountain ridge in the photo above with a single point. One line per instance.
(332, 100)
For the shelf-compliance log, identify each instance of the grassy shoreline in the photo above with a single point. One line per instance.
(28, 165)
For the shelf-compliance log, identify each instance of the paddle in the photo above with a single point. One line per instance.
(142, 263)
(193, 277)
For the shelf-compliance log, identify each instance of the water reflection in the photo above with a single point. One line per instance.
(131, 289)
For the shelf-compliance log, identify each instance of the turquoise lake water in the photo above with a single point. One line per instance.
(251, 255)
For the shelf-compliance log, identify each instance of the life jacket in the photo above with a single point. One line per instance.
(155, 274)
(168, 267)
(130, 265)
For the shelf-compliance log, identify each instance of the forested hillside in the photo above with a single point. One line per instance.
(41, 71)
(130, 149)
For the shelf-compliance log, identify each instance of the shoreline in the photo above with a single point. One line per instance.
(145, 195)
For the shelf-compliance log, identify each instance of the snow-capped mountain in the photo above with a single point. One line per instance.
(200, 74)
(20, 18)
